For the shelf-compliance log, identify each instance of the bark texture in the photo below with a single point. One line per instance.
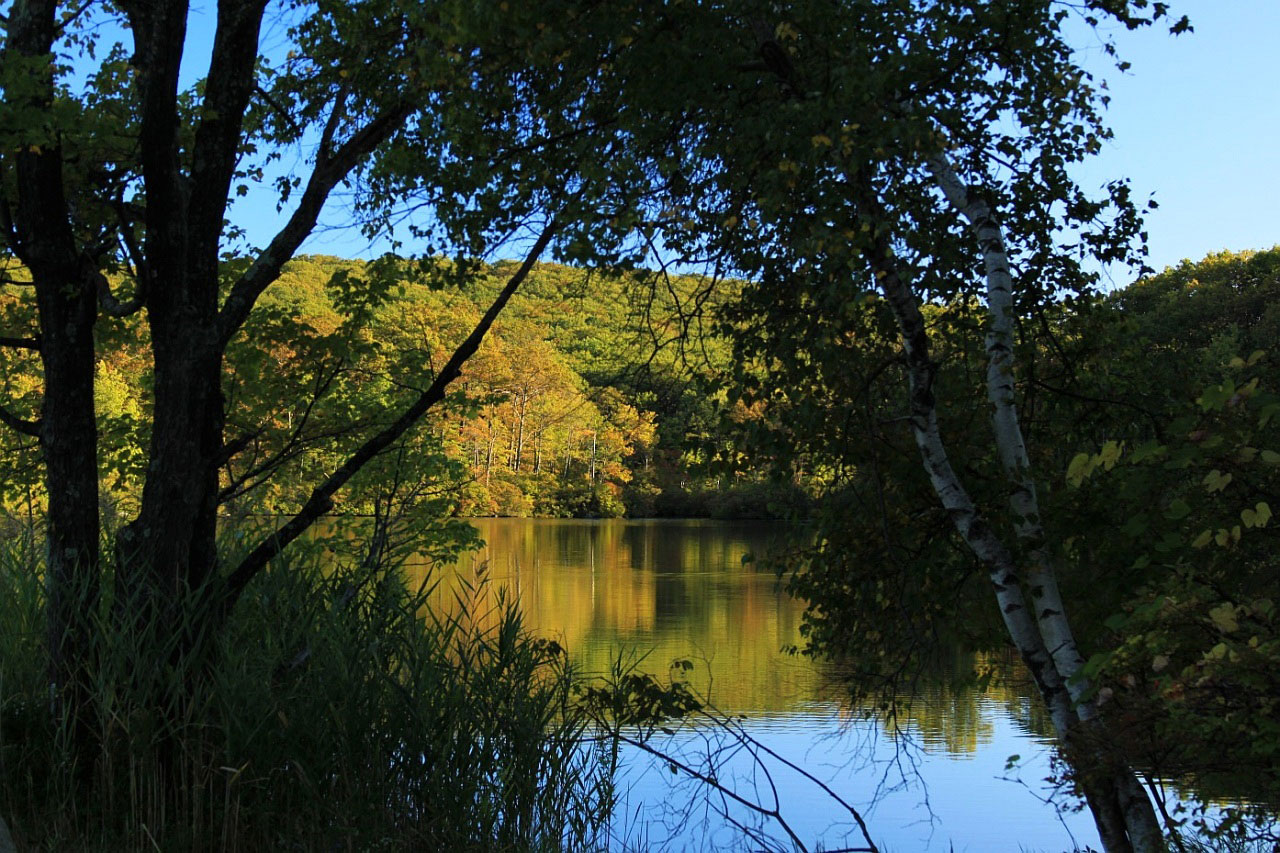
(1123, 813)
(43, 239)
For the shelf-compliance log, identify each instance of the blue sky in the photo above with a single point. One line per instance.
(1196, 120)
(1197, 123)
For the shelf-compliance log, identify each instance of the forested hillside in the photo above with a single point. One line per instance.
(593, 396)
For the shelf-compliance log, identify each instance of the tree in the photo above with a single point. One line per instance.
(116, 200)
(920, 151)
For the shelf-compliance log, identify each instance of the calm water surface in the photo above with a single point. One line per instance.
(674, 590)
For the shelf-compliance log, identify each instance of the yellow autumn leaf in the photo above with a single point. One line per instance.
(730, 221)
(1202, 540)
(1263, 512)
(820, 140)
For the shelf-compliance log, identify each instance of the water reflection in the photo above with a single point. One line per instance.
(681, 590)
(673, 589)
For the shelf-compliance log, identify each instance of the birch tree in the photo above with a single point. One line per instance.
(852, 172)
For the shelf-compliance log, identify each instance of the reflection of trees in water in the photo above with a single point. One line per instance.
(676, 590)
(680, 590)
(950, 703)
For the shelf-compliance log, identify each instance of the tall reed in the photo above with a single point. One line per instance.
(334, 711)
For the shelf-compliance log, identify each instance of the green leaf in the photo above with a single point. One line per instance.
(1178, 508)
(1224, 618)
(1078, 469)
(1216, 481)
(1110, 454)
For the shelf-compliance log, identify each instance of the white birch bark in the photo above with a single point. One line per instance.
(1042, 581)
(959, 505)
(6, 840)
(1140, 821)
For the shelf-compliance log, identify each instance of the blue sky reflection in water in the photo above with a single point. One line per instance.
(679, 590)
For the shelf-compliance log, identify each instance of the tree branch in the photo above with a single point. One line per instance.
(21, 343)
(324, 380)
(279, 110)
(230, 86)
(159, 35)
(9, 419)
(321, 500)
(328, 172)
(112, 306)
(141, 270)
(7, 229)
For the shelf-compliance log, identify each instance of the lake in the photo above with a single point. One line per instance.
(671, 590)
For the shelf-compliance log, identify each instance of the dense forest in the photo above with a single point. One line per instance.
(595, 395)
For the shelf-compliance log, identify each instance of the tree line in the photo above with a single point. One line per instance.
(574, 405)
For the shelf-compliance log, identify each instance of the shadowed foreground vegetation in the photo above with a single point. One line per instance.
(328, 715)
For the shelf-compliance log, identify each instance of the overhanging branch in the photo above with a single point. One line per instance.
(20, 343)
(328, 172)
(321, 500)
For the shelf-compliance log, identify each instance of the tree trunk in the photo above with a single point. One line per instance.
(67, 302)
(488, 460)
(1140, 821)
(520, 416)
(1098, 784)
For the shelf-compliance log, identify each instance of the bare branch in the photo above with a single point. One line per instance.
(141, 270)
(21, 343)
(107, 299)
(324, 150)
(293, 445)
(71, 18)
(279, 110)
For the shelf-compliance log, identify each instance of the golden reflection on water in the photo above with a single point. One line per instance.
(676, 590)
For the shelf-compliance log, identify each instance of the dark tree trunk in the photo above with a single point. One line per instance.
(168, 554)
(65, 295)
